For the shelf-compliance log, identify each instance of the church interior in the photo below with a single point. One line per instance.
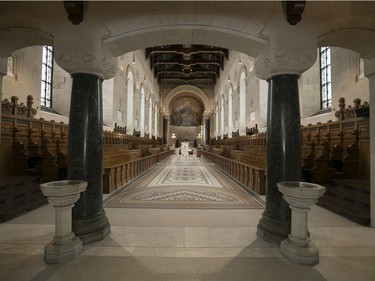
(187, 140)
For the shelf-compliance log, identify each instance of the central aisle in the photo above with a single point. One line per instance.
(184, 182)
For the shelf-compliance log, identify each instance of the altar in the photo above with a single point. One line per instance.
(185, 150)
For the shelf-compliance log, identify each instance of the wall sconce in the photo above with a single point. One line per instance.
(173, 136)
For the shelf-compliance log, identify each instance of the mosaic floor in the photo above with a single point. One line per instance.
(183, 183)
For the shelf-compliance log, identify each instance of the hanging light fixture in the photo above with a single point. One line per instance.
(133, 62)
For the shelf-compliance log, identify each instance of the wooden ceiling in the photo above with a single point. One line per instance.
(197, 65)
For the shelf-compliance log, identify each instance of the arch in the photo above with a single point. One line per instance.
(156, 114)
(242, 92)
(230, 111)
(222, 117)
(201, 35)
(142, 110)
(127, 27)
(216, 120)
(186, 89)
(149, 116)
(15, 38)
(339, 38)
(129, 99)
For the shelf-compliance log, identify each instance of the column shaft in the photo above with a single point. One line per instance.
(283, 154)
(207, 130)
(165, 130)
(85, 156)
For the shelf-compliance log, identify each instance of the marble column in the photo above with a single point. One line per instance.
(370, 74)
(281, 63)
(207, 130)
(165, 129)
(85, 156)
(88, 69)
(283, 154)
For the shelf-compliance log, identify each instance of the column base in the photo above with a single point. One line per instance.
(307, 254)
(92, 230)
(272, 231)
(62, 253)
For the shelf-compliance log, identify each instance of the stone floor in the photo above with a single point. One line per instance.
(157, 244)
(186, 244)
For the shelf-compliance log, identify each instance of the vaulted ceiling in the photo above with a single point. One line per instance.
(197, 65)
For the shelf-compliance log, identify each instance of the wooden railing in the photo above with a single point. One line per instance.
(118, 175)
(253, 178)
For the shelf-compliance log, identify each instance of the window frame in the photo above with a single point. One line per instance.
(46, 77)
(325, 78)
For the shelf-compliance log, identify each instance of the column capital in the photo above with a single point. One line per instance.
(207, 114)
(165, 114)
(97, 61)
(291, 58)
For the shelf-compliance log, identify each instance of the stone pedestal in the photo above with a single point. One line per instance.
(300, 196)
(62, 195)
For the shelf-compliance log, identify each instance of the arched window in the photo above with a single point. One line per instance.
(142, 127)
(217, 121)
(47, 74)
(150, 116)
(130, 95)
(242, 92)
(222, 117)
(325, 78)
(230, 111)
(156, 119)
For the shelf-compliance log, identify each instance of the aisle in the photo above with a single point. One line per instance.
(184, 182)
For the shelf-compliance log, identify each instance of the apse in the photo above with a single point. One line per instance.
(186, 111)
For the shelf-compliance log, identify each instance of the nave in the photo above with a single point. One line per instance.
(174, 243)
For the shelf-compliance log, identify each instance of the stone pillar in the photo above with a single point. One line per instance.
(207, 130)
(165, 130)
(370, 74)
(281, 65)
(88, 69)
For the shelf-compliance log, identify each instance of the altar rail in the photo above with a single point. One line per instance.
(253, 178)
(118, 175)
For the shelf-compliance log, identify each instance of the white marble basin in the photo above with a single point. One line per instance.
(63, 188)
(299, 189)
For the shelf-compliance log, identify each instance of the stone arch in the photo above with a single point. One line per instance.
(197, 92)
(242, 91)
(130, 90)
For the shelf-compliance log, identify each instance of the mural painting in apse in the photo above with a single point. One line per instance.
(186, 111)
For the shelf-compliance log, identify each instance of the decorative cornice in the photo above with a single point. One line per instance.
(98, 62)
(281, 60)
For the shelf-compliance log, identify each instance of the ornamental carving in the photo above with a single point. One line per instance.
(98, 62)
(277, 61)
(358, 110)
